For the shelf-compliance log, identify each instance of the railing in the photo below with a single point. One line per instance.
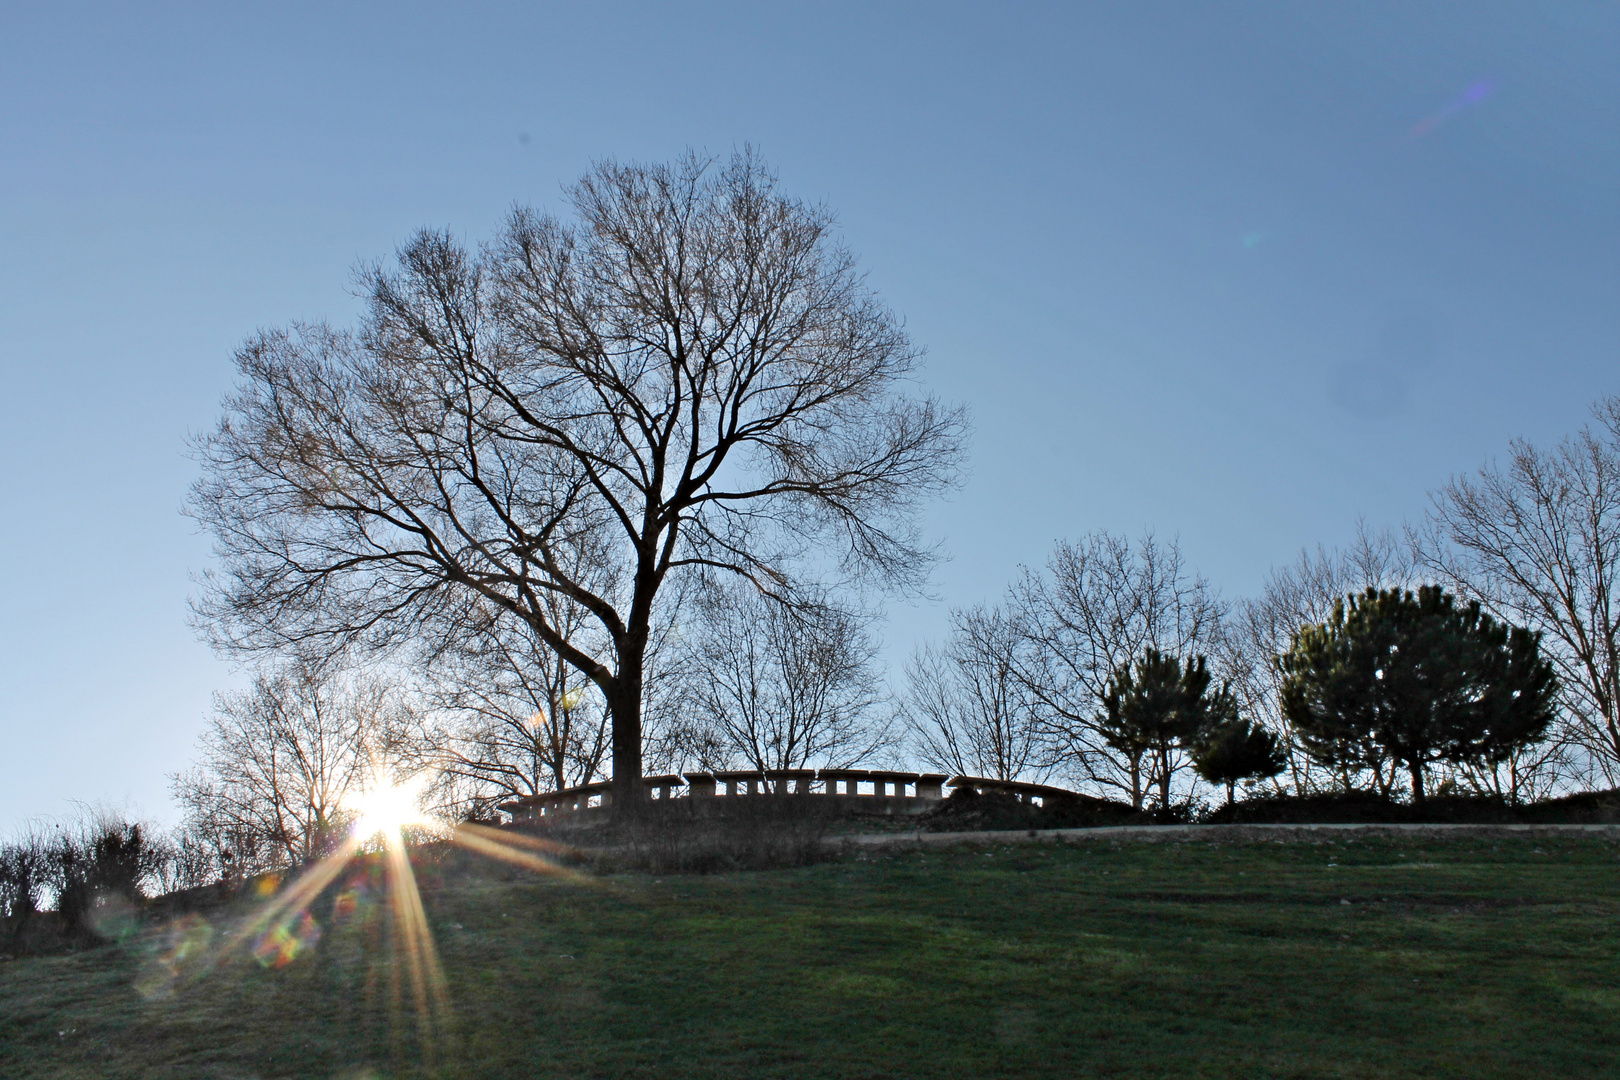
(886, 790)
(890, 791)
(1042, 794)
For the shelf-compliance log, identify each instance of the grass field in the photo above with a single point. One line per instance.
(1373, 957)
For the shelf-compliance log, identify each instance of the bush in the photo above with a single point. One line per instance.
(1363, 807)
(104, 861)
(1584, 808)
(24, 878)
(24, 875)
(969, 811)
(190, 861)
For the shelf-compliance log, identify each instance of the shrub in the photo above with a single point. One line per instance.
(24, 875)
(969, 811)
(24, 878)
(1365, 807)
(101, 861)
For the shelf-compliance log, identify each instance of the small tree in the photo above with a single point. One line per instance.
(282, 762)
(1231, 748)
(1419, 679)
(1537, 542)
(966, 709)
(25, 871)
(1299, 594)
(508, 718)
(1150, 710)
(1099, 602)
(775, 687)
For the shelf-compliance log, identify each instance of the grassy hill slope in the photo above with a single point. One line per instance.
(1364, 957)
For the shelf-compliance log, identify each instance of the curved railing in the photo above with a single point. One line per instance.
(1044, 795)
(875, 789)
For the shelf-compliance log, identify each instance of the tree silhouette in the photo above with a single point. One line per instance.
(1232, 748)
(1150, 709)
(690, 378)
(1418, 678)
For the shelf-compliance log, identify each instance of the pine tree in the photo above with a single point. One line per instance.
(1153, 707)
(1417, 678)
(1231, 748)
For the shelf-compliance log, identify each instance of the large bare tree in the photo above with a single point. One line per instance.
(1537, 543)
(690, 376)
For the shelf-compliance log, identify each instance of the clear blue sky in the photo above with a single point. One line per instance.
(1242, 272)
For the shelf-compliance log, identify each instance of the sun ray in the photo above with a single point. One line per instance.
(509, 847)
(414, 937)
(303, 891)
(284, 927)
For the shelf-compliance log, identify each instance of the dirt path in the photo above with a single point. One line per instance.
(1222, 833)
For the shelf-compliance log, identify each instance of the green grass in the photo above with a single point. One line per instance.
(1454, 958)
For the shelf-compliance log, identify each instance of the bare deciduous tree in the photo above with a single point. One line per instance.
(506, 717)
(769, 686)
(693, 376)
(1523, 775)
(1101, 603)
(966, 707)
(282, 762)
(1262, 628)
(1538, 544)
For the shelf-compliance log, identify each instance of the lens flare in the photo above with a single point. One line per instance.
(529, 852)
(387, 808)
(1470, 97)
(366, 884)
(181, 949)
(287, 940)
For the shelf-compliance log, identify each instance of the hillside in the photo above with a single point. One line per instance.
(1366, 957)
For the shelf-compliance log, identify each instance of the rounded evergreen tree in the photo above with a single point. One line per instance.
(1418, 679)
(1231, 748)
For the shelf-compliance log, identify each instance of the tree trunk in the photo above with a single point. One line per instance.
(1231, 791)
(624, 707)
(1164, 777)
(1417, 781)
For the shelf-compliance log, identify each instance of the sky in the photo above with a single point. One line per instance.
(1241, 273)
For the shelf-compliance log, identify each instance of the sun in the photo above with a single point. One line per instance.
(387, 807)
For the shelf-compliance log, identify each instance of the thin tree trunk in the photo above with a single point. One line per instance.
(1417, 781)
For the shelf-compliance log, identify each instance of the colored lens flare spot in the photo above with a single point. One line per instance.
(287, 940)
(345, 904)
